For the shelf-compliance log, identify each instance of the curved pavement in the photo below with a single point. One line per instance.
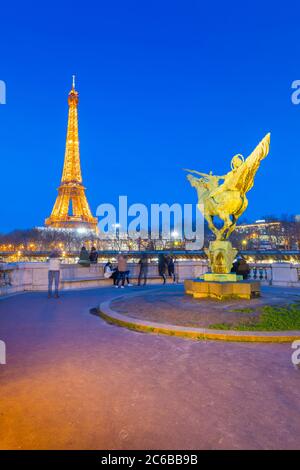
(74, 382)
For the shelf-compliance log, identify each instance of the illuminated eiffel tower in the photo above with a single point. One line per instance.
(71, 208)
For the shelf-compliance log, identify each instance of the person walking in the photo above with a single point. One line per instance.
(93, 256)
(122, 270)
(84, 259)
(171, 268)
(162, 266)
(143, 269)
(53, 273)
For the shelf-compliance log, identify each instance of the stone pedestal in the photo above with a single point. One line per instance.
(220, 255)
(201, 289)
(230, 277)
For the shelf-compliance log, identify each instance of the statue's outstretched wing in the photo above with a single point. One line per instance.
(252, 164)
(243, 178)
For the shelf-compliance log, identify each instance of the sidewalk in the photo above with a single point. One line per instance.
(74, 382)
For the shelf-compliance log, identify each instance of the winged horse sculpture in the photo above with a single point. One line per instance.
(228, 200)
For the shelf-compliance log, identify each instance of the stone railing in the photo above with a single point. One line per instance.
(17, 277)
(5, 274)
(276, 274)
(5, 278)
(34, 276)
(261, 272)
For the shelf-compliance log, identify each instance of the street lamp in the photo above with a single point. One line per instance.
(81, 230)
(174, 235)
(117, 229)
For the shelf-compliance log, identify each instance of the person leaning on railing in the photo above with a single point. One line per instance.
(241, 267)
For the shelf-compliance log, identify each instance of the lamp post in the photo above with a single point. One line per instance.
(244, 243)
(117, 229)
(174, 235)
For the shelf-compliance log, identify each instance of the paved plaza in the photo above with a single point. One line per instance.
(72, 381)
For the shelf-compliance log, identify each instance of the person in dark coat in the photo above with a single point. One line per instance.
(143, 269)
(171, 268)
(234, 266)
(243, 268)
(162, 266)
(93, 255)
(84, 259)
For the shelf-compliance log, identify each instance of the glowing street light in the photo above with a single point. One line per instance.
(81, 230)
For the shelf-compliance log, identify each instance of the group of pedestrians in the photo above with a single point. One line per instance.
(120, 274)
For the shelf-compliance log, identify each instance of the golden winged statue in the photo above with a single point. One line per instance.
(228, 200)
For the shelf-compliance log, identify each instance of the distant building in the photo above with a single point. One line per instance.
(264, 235)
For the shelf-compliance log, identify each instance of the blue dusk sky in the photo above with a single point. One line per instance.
(163, 85)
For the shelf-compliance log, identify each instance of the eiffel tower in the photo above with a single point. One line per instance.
(71, 208)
